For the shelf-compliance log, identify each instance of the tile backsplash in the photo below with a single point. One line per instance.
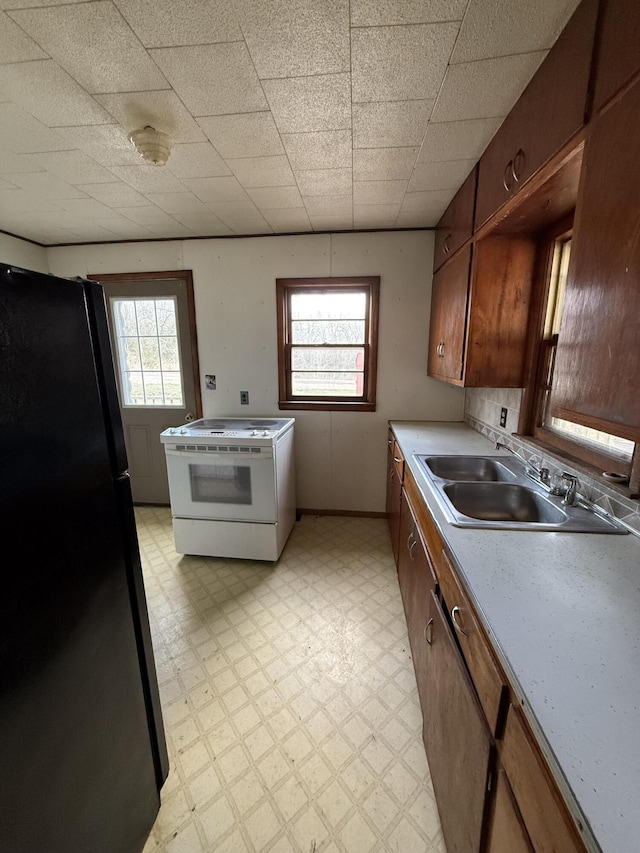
(482, 412)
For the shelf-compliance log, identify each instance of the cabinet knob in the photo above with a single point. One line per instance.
(456, 624)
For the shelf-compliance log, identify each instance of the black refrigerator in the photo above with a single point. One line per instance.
(82, 749)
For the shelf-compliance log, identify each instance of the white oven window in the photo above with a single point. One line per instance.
(220, 484)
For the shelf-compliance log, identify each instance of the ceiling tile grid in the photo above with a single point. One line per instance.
(284, 116)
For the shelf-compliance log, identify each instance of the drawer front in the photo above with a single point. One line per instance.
(544, 814)
(487, 677)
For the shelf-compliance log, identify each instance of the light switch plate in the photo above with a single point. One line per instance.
(244, 398)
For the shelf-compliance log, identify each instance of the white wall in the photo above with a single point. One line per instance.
(21, 253)
(340, 456)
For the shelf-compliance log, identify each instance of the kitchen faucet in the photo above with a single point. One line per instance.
(541, 474)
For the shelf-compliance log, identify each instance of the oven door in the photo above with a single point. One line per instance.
(230, 486)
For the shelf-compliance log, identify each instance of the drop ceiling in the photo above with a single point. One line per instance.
(285, 115)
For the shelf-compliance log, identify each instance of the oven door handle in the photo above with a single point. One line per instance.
(226, 457)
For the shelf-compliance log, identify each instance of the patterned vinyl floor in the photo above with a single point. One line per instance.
(289, 697)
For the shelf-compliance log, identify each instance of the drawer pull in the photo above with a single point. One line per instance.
(412, 546)
(428, 632)
(517, 167)
(395, 459)
(508, 172)
(456, 624)
(409, 538)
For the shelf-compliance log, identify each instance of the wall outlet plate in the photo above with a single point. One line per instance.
(210, 381)
(244, 398)
(503, 417)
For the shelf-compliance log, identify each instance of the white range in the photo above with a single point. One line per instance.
(231, 486)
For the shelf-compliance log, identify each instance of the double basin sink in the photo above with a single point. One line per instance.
(497, 492)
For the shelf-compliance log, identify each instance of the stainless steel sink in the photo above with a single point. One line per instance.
(467, 468)
(503, 502)
(495, 492)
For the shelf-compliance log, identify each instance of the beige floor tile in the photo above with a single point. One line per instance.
(289, 698)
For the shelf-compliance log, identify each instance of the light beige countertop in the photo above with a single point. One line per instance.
(563, 612)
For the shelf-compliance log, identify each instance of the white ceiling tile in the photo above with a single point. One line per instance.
(23, 134)
(418, 220)
(172, 230)
(93, 42)
(148, 215)
(329, 205)
(205, 225)
(325, 182)
(331, 223)
(271, 198)
(6, 185)
(503, 27)
(383, 164)
(302, 104)
(287, 219)
(47, 92)
(213, 79)
(374, 13)
(235, 211)
(15, 44)
(375, 215)
(197, 160)
(291, 38)
(163, 110)
(74, 167)
(262, 171)
(253, 226)
(149, 179)
(446, 175)
(216, 189)
(391, 124)
(457, 140)
(87, 208)
(21, 201)
(329, 149)
(162, 23)
(173, 203)
(484, 89)
(124, 229)
(107, 144)
(115, 194)
(243, 134)
(94, 233)
(426, 202)
(11, 164)
(47, 186)
(378, 192)
(400, 63)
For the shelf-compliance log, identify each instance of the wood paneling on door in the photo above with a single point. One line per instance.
(598, 359)
(507, 833)
(618, 52)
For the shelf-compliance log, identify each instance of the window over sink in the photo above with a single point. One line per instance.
(327, 343)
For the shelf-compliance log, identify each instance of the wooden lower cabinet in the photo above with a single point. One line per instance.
(456, 738)
(394, 493)
(507, 833)
(417, 582)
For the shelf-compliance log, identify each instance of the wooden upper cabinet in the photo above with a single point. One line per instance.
(550, 111)
(448, 318)
(618, 54)
(599, 333)
(456, 224)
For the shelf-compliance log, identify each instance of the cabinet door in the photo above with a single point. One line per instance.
(548, 113)
(417, 581)
(456, 225)
(618, 57)
(507, 833)
(394, 492)
(448, 318)
(598, 360)
(456, 739)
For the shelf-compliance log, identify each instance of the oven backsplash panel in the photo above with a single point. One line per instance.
(482, 412)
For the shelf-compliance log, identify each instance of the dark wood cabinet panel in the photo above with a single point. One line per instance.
(550, 111)
(394, 493)
(598, 360)
(456, 224)
(507, 833)
(448, 318)
(618, 54)
(456, 738)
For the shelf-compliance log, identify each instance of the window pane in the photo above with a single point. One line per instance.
(586, 435)
(326, 384)
(328, 306)
(148, 361)
(327, 359)
(327, 331)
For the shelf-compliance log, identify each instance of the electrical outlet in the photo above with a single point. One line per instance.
(503, 417)
(244, 398)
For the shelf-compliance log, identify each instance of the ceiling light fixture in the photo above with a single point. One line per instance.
(153, 145)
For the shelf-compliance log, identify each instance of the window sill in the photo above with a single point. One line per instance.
(329, 406)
